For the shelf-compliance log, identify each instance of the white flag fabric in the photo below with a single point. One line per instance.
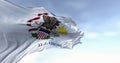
(26, 30)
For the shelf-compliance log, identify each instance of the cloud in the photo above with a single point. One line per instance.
(88, 58)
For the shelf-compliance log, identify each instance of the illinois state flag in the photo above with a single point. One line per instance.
(26, 30)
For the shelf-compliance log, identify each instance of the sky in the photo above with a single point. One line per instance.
(98, 19)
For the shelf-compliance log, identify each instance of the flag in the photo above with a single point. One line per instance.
(25, 30)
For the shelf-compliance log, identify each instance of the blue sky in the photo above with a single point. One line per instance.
(99, 19)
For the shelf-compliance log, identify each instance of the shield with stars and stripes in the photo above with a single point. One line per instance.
(43, 33)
